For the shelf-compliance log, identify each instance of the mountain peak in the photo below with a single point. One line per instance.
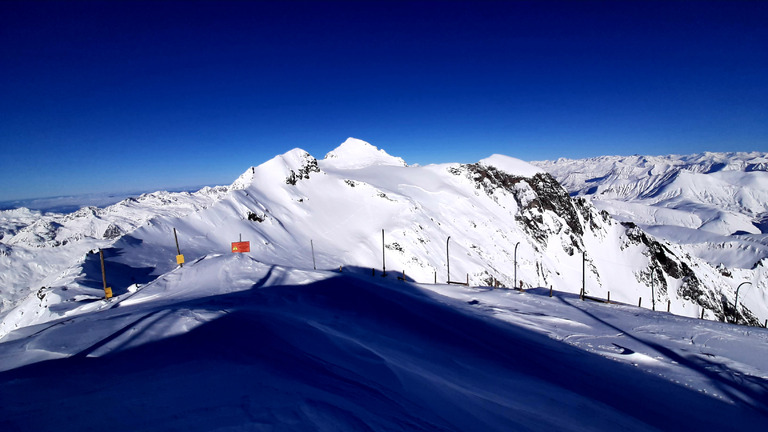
(512, 165)
(355, 153)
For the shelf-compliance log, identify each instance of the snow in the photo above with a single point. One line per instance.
(263, 341)
(720, 193)
(354, 153)
(512, 165)
(230, 343)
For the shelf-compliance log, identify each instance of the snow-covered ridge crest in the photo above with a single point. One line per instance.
(354, 153)
(512, 165)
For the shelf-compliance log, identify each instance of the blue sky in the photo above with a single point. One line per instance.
(110, 96)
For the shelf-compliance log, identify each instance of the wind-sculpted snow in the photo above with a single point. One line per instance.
(230, 343)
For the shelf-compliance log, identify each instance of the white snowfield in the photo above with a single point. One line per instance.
(714, 203)
(280, 339)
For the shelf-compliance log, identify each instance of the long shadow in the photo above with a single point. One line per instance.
(730, 382)
(353, 352)
(119, 276)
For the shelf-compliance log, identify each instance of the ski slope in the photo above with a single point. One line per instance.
(231, 343)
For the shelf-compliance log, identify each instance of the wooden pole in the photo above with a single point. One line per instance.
(178, 251)
(103, 273)
(640, 302)
(550, 291)
(669, 304)
(467, 279)
(702, 313)
(107, 290)
(609, 296)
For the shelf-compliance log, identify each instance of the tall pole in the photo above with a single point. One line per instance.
(448, 258)
(736, 303)
(514, 284)
(583, 274)
(383, 262)
(312, 245)
(653, 296)
(107, 290)
(178, 251)
(103, 273)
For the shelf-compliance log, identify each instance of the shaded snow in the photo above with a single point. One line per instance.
(229, 343)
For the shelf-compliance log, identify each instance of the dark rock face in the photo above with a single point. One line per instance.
(309, 166)
(665, 261)
(112, 232)
(535, 196)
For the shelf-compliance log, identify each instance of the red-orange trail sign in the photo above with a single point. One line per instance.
(240, 247)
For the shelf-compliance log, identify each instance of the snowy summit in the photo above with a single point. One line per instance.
(354, 153)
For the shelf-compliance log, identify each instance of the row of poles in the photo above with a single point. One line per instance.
(180, 262)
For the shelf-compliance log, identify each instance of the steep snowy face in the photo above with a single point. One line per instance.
(354, 153)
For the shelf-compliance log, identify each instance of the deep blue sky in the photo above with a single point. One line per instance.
(111, 96)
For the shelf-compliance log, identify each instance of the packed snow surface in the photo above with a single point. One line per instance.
(230, 343)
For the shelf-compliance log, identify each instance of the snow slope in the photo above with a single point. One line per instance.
(231, 343)
(714, 203)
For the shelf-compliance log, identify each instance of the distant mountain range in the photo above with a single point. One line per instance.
(714, 203)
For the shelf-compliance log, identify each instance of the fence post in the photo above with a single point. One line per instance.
(550, 291)
(609, 296)
(383, 259)
(312, 245)
(669, 304)
(640, 302)
(702, 313)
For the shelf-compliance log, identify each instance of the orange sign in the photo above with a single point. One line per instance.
(243, 246)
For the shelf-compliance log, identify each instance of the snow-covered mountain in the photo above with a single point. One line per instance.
(507, 220)
(307, 318)
(714, 203)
